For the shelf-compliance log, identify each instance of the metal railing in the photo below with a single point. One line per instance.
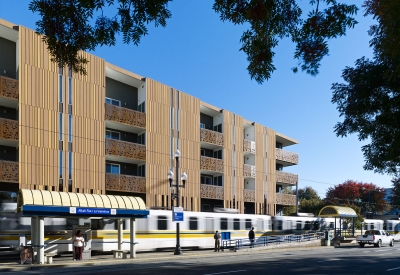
(237, 244)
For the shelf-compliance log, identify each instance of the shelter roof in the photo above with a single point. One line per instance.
(53, 203)
(337, 211)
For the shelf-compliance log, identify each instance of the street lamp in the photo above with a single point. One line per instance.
(176, 195)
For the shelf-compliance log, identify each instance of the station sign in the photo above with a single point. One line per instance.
(177, 214)
(92, 211)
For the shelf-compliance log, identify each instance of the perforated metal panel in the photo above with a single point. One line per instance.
(337, 211)
(54, 198)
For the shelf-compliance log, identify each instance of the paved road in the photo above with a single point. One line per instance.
(344, 260)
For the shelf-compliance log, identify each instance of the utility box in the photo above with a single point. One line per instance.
(225, 236)
(87, 235)
(327, 238)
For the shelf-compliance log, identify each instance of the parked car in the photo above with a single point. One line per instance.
(375, 237)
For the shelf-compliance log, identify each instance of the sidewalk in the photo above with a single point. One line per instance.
(9, 263)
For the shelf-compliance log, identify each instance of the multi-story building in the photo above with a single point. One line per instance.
(115, 132)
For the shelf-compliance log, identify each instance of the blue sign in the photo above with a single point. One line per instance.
(177, 214)
(92, 211)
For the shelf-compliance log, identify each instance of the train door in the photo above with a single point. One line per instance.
(259, 225)
(209, 225)
(289, 225)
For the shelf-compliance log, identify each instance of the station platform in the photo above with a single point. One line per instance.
(10, 261)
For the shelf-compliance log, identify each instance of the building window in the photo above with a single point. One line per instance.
(113, 101)
(60, 130)
(206, 180)
(202, 126)
(279, 145)
(202, 152)
(218, 128)
(142, 139)
(70, 90)
(70, 165)
(142, 107)
(112, 168)
(113, 135)
(279, 167)
(218, 180)
(60, 163)
(142, 170)
(69, 128)
(218, 154)
(60, 88)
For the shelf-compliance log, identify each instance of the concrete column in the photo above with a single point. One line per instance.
(120, 235)
(34, 235)
(132, 238)
(40, 255)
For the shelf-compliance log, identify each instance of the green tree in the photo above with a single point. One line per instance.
(369, 100)
(394, 198)
(311, 206)
(308, 193)
(70, 26)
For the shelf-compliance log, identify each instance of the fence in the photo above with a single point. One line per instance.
(270, 240)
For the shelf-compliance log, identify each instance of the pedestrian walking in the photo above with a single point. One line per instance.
(251, 237)
(78, 246)
(216, 238)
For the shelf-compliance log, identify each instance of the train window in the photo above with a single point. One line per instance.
(279, 225)
(366, 226)
(236, 224)
(248, 224)
(298, 225)
(224, 224)
(308, 225)
(316, 225)
(332, 225)
(192, 223)
(372, 226)
(390, 227)
(162, 223)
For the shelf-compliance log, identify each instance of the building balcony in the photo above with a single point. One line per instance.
(125, 183)
(249, 195)
(211, 192)
(9, 171)
(211, 164)
(249, 171)
(8, 88)
(124, 149)
(125, 116)
(286, 156)
(249, 146)
(212, 137)
(285, 199)
(8, 131)
(287, 178)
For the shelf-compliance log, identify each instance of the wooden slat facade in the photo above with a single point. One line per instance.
(39, 146)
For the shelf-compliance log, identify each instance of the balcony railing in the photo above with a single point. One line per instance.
(286, 156)
(285, 199)
(8, 87)
(288, 178)
(125, 116)
(211, 192)
(126, 183)
(125, 149)
(212, 164)
(9, 171)
(212, 137)
(8, 129)
(249, 146)
(249, 195)
(249, 171)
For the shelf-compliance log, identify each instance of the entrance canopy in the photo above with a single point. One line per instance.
(35, 203)
(332, 211)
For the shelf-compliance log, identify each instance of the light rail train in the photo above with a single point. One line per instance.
(158, 232)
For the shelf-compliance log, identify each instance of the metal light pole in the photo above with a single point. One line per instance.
(176, 196)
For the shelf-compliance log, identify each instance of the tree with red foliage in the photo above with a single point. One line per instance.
(367, 196)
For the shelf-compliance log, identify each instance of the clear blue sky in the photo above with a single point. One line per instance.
(199, 55)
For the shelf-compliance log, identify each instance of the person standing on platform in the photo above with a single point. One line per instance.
(78, 246)
(216, 238)
(251, 237)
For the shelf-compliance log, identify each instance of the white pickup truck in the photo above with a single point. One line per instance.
(375, 237)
